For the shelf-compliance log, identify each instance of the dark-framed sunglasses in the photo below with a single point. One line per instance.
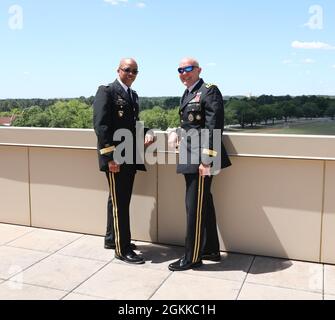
(186, 69)
(129, 70)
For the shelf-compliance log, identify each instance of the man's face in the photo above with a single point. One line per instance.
(128, 72)
(191, 77)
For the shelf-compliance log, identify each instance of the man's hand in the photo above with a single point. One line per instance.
(113, 167)
(148, 140)
(204, 170)
(173, 142)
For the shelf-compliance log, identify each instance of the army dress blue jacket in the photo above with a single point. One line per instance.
(113, 109)
(202, 108)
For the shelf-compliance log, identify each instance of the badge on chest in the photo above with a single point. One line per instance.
(120, 103)
(197, 98)
(194, 109)
(190, 117)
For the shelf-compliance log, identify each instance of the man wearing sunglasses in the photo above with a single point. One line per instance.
(202, 118)
(116, 108)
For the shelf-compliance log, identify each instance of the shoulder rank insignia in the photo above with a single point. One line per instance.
(208, 85)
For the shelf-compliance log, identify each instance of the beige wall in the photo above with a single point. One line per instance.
(144, 205)
(66, 191)
(328, 227)
(14, 185)
(276, 200)
(271, 207)
(171, 199)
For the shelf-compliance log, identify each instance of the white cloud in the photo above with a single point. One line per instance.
(141, 5)
(311, 45)
(333, 66)
(308, 61)
(115, 2)
(287, 61)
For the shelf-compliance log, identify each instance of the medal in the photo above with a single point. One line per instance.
(121, 114)
(120, 101)
(197, 97)
(198, 117)
(191, 117)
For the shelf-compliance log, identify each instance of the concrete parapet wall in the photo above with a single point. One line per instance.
(276, 200)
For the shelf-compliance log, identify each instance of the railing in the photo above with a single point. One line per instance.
(277, 199)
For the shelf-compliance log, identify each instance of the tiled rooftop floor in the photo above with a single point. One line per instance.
(45, 264)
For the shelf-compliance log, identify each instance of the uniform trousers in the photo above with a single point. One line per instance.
(118, 224)
(201, 232)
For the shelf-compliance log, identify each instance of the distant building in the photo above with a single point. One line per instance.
(7, 121)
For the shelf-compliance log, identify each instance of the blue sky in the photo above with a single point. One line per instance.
(67, 48)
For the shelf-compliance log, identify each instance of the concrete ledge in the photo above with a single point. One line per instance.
(313, 147)
(50, 138)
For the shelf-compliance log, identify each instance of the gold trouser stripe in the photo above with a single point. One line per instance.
(211, 153)
(115, 214)
(107, 150)
(198, 219)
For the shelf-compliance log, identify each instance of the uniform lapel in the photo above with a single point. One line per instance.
(135, 100)
(121, 91)
(192, 95)
(183, 97)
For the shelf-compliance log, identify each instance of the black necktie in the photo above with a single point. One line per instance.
(129, 94)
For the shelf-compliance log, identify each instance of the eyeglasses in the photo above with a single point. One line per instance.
(186, 69)
(129, 70)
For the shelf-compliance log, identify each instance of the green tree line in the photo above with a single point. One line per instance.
(70, 114)
(7, 105)
(265, 109)
(161, 113)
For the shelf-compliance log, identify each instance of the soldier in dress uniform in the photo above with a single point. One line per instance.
(201, 155)
(116, 107)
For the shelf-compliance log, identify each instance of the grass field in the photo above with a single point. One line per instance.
(312, 127)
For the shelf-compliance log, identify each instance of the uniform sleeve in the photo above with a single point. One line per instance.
(102, 121)
(214, 119)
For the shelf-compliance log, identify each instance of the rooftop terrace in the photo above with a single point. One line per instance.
(275, 211)
(45, 264)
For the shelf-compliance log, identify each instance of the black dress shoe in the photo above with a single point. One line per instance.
(214, 256)
(130, 257)
(109, 245)
(182, 265)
